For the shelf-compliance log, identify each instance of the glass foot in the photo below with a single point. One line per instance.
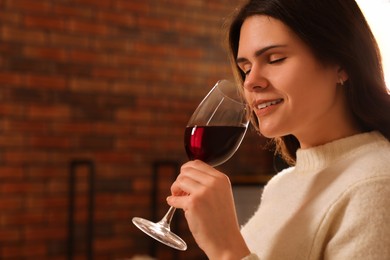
(161, 233)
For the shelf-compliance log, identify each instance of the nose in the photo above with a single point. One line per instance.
(255, 81)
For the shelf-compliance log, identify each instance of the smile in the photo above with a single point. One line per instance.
(268, 103)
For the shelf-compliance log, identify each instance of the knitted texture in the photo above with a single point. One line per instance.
(334, 204)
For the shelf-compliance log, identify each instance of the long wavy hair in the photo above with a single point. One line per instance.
(337, 32)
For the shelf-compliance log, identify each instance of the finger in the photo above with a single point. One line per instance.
(200, 172)
(178, 202)
(199, 165)
(184, 184)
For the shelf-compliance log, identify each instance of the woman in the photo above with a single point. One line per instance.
(311, 74)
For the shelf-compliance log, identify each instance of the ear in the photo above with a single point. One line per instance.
(342, 76)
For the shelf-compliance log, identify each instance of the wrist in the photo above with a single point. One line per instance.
(233, 252)
(242, 254)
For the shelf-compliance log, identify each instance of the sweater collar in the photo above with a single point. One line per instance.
(321, 156)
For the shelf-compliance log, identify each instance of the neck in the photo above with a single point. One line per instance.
(333, 125)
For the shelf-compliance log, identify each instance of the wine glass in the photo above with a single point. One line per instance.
(213, 134)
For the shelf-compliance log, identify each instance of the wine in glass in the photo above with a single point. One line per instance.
(213, 134)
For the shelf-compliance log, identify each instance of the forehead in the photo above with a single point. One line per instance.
(260, 31)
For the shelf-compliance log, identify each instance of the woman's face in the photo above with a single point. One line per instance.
(290, 91)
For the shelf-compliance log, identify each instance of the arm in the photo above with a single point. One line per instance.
(209, 210)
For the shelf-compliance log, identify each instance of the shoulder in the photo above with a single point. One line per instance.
(369, 190)
(364, 176)
(358, 222)
(285, 173)
(366, 199)
(371, 160)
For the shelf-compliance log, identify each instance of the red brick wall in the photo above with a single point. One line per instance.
(113, 82)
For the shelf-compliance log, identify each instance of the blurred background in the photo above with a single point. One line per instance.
(94, 98)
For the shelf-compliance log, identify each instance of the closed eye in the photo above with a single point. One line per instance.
(277, 60)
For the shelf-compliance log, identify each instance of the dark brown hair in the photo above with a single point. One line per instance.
(336, 32)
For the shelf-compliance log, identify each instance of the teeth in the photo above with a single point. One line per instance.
(267, 104)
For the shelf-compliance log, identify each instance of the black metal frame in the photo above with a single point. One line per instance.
(74, 164)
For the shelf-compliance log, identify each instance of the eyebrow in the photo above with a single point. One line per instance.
(259, 52)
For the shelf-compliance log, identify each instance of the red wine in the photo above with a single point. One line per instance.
(212, 144)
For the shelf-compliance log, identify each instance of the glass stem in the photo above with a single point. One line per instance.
(166, 220)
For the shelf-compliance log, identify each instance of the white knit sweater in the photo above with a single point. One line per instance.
(334, 204)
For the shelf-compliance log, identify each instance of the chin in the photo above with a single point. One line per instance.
(269, 132)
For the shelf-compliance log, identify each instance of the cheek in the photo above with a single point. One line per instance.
(306, 79)
(312, 93)
(247, 97)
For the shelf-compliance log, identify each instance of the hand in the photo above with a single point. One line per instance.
(209, 209)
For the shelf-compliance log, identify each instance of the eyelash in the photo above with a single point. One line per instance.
(246, 73)
(277, 60)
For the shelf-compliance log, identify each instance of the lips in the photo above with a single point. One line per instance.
(267, 103)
